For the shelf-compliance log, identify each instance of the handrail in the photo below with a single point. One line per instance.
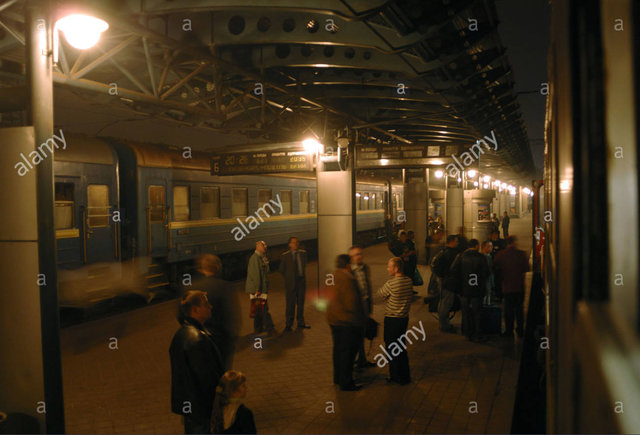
(148, 210)
(84, 235)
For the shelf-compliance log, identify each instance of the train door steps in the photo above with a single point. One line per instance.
(157, 282)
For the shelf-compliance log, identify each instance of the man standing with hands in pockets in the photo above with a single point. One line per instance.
(292, 266)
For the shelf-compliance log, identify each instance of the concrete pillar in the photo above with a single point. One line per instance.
(502, 203)
(454, 209)
(30, 362)
(334, 219)
(21, 359)
(415, 206)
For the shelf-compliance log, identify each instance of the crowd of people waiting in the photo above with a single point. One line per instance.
(480, 274)
(208, 393)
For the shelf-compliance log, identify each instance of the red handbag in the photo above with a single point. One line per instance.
(257, 307)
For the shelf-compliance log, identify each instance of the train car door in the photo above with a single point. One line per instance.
(157, 219)
(68, 222)
(98, 226)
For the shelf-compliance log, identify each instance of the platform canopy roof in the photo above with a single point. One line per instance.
(378, 71)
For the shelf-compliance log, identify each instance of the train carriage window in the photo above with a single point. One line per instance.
(365, 201)
(156, 203)
(239, 202)
(373, 201)
(358, 201)
(63, 211)
(209, 202)
(285, 198)
(181, 203)
(98, 205)
(303, 197)
(264, 196)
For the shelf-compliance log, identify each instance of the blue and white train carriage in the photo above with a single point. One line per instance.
(124, 209)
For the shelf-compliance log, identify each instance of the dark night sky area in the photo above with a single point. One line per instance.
(524, 30)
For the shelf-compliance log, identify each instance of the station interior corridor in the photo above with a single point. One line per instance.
(116, 371)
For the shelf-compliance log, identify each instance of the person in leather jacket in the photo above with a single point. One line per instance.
(196, 364)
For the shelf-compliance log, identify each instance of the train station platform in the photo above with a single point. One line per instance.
(457, 386)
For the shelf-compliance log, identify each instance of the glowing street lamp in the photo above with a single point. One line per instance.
(82, 31)
(311, 146)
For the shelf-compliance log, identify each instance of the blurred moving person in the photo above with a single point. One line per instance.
(225, 311)
(196, 364)
(510, 265)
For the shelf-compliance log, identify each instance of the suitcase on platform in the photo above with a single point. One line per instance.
(491, 319)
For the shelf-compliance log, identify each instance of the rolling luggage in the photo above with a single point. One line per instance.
(490, 319)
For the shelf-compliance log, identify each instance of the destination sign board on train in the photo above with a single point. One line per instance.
(261, 162)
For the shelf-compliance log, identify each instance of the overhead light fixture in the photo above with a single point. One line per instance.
(81, 31)
(311, 146)
(486, 186)
(475, 183)
(471, 173)
(486, 178)
(439, 174)
(459, 179)
(384, 162)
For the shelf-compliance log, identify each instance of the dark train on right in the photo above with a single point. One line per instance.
(582, 349)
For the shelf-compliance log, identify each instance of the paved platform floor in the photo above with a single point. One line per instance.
(123, 386)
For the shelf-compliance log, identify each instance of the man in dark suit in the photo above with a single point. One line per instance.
(292, 266)
(362, 273)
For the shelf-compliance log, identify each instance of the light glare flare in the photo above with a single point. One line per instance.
(311, 146)
(82, 31)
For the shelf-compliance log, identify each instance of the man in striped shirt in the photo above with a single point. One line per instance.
(397, 293)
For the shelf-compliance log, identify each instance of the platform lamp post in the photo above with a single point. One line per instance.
(82, 32)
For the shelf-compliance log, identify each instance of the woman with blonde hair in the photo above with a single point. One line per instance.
(229, 415)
